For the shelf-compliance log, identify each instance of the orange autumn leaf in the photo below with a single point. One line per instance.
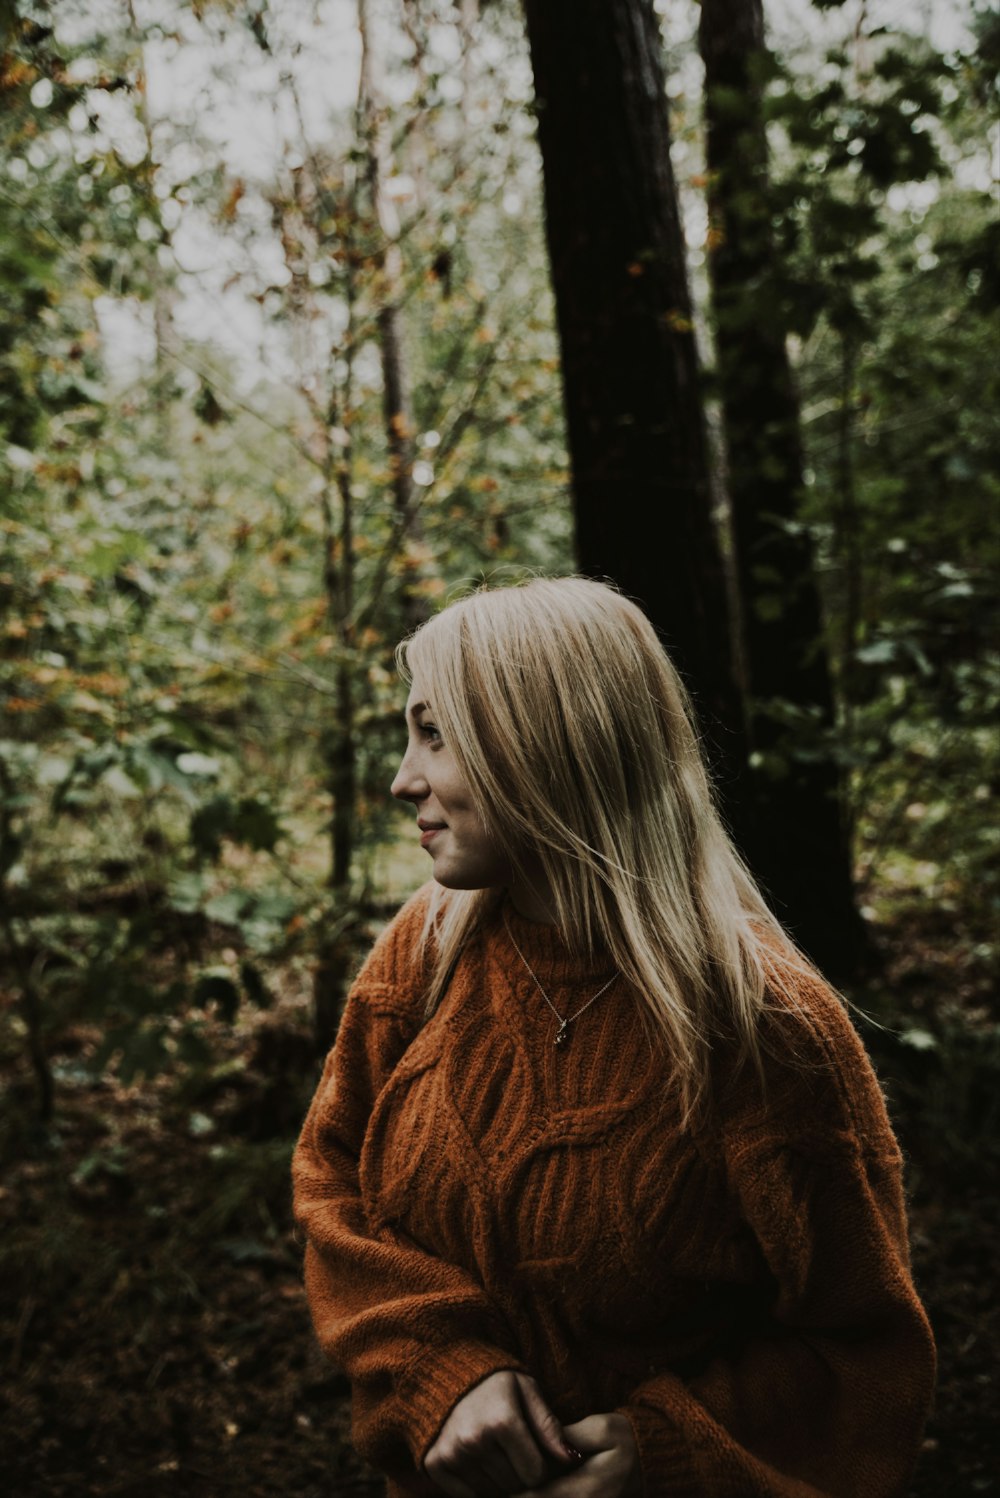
(14, 72)
(105, 682)
(236, 193)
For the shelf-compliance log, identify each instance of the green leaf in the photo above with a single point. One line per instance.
(878, 653)
(274, 906)
(229, 907)
(185, 892)
(251, 821)
(192, 1048)
(144, 1054)
(194, 763)
(256, 824)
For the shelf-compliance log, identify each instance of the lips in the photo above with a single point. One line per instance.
(429, 831)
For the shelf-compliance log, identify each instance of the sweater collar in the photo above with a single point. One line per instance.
(543, 948)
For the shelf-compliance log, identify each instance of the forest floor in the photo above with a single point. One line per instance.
(156, 1335)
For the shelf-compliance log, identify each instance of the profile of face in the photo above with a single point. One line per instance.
(464, 854)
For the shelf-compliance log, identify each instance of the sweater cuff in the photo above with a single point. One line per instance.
(431, 1387)
(665, 1456)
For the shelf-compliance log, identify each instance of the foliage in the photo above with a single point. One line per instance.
(176, 630)
(202, 550)
(887, 227)
(191, 400)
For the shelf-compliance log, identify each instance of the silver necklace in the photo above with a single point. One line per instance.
(562, 1034)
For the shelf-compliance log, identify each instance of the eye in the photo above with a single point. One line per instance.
(429, 733)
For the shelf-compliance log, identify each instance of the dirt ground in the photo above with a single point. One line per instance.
(156, 1336)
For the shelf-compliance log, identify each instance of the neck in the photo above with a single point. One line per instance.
(531, 897)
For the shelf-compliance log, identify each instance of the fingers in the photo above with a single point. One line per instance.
(541, 1422)
(503, 1455)
(451, 1486)
(488, 1465)
(610, 1467)
(488, 1446)
(600, 1476)
(475, 1470)
(599, 1433)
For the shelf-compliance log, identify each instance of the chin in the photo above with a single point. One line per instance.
(458, 881)
(469, 879)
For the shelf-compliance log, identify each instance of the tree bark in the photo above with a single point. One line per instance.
(638, 450)
(797, 838)
(162, 392)
(399, 426)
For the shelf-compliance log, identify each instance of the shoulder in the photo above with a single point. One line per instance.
(816, 1088)
(394, 976)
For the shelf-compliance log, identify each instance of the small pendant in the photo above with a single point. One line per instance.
(561, 1033)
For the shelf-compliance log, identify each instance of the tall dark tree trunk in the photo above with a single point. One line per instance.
(797, 841)
(636, 433)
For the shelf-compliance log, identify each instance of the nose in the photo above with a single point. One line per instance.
(408, 783)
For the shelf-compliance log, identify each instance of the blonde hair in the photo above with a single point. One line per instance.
(575, 736)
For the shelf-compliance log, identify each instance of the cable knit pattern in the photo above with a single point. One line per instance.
(476, 1198)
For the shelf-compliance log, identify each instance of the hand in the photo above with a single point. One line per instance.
(500, 1438)
(610, 1466)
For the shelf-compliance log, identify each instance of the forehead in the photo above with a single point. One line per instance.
(417, 698)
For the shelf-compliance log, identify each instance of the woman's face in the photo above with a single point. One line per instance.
(463, 852)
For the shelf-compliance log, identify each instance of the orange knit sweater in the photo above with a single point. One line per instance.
(475, 1198)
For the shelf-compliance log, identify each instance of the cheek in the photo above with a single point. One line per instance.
(491, 857)
(452, 791)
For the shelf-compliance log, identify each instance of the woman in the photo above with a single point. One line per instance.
(599, 1190)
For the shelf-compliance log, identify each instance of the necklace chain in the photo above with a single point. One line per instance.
(564, 1021)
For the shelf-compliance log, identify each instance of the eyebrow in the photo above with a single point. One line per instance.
(418, 708)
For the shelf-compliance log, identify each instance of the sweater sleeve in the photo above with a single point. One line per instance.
(828, 1397)
(412, 1332)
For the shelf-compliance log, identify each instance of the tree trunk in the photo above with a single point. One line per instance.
(399, 426)
(468, 20)
(634, 416)
(796, 841)
(162, 390)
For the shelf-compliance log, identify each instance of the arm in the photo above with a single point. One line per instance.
(831, 1401)
(413, 1333)
(829, 1396)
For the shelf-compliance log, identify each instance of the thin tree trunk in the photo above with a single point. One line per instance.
(162, 292)
(335, 956)
(399, 425)
(31, 999)
(468, 20)
(634, 416)
(343, 751)
(33, 1018)
(797, 841)
(846, 532)
(417, 154)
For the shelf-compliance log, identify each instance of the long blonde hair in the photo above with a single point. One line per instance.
(576, 738)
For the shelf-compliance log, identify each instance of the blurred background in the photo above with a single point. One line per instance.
(315, 315)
